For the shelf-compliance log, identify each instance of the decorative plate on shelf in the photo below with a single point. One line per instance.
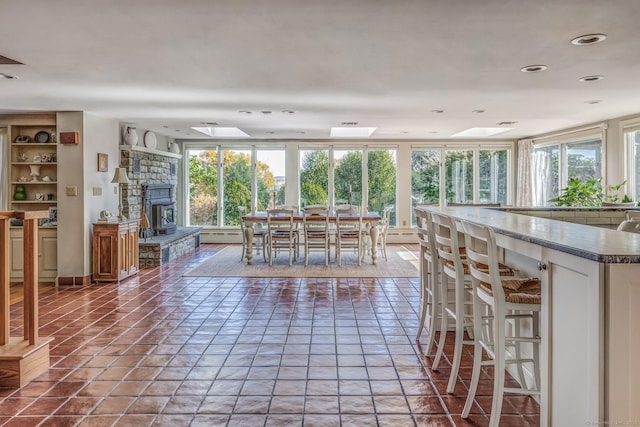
(42, 137)
(150, 139)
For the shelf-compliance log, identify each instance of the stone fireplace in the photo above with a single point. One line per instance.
(154, 179)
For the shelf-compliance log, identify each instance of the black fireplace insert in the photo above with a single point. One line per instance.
(160, 206)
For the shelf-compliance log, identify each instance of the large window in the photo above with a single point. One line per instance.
(203, 187)
(347, 176)
(314, 177)
(271, 178)
(425, 178)
(468, 176)
(494, 173)
(381, 178)
(458, 167)
(555, 163)
(216, 192)
(632, 139)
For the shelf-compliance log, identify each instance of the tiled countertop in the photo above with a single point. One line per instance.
(593, 243)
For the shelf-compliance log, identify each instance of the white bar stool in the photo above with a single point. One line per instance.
(450, 248)
(430, 306)
(510, 300)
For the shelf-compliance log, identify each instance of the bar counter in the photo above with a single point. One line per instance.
(590, 323)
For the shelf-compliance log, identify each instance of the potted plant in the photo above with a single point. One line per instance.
(613, 197)
(589, 193)
(580, 193)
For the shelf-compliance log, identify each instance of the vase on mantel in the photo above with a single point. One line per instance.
(130, 136)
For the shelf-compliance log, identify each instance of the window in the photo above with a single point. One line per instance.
(458, 167)
(236, 181)
(347, 177)
(494, 173)
(314, 177)
(556, 162)
(425, 178)
(271, 177)
(381, 179)
(469, 176)
(203, 187)
(632, 140)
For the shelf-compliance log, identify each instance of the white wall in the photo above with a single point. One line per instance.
(77, 167)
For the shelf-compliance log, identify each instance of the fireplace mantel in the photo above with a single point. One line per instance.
(150, 151)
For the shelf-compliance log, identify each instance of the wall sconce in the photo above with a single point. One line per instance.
(120, 178)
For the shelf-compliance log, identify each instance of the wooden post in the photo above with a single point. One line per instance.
(4, 280)
(21, 360)
(30, 239)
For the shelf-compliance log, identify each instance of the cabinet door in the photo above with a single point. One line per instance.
(48, 254)
(133, 248)
(105, 255)
(123, 252)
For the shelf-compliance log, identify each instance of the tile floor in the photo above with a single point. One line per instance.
(161, 349)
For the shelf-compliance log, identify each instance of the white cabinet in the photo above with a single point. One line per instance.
(47, 254)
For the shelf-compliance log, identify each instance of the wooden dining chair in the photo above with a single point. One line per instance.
(316, 232)
(282, 233)
(349, 232)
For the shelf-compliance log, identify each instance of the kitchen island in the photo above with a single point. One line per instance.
(590, 323)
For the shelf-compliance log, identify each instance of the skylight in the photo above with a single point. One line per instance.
(351, 132)
(481, 132)
(221, 132)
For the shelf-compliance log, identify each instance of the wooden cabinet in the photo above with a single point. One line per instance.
(115, 250)
(47, 254)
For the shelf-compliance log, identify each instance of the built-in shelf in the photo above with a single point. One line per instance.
(150, 151)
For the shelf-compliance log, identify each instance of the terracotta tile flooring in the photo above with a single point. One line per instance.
(162, 349)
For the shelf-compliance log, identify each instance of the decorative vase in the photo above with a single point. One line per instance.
(34, 172)
(19, 194)
(130, 136)
(174, 147)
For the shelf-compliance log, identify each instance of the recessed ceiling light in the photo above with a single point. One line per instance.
(404, 131)
(288, 111)
(165, 126)
(588, 39)
(478, 111)
(300, 132)
(481, 132)
(505, 123)
(7, 76)
(588, 79)
(349, 124)
(533, 68)
(433, 131)
(266, 111)
(593, 101)
(210, 123)
(244, 112)
(437, 111)
(221, 132)
(270, 132)
(351, 132)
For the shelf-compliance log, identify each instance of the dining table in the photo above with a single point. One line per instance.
(372, 220)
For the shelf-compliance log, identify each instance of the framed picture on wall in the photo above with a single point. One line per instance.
(53, 215)
(103, 162)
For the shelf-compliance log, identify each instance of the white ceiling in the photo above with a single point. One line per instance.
(167, 65)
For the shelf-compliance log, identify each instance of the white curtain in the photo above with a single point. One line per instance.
(4, 169)
(525, 184)
(542, 183)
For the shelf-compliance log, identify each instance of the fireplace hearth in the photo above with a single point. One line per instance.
(160, 206)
